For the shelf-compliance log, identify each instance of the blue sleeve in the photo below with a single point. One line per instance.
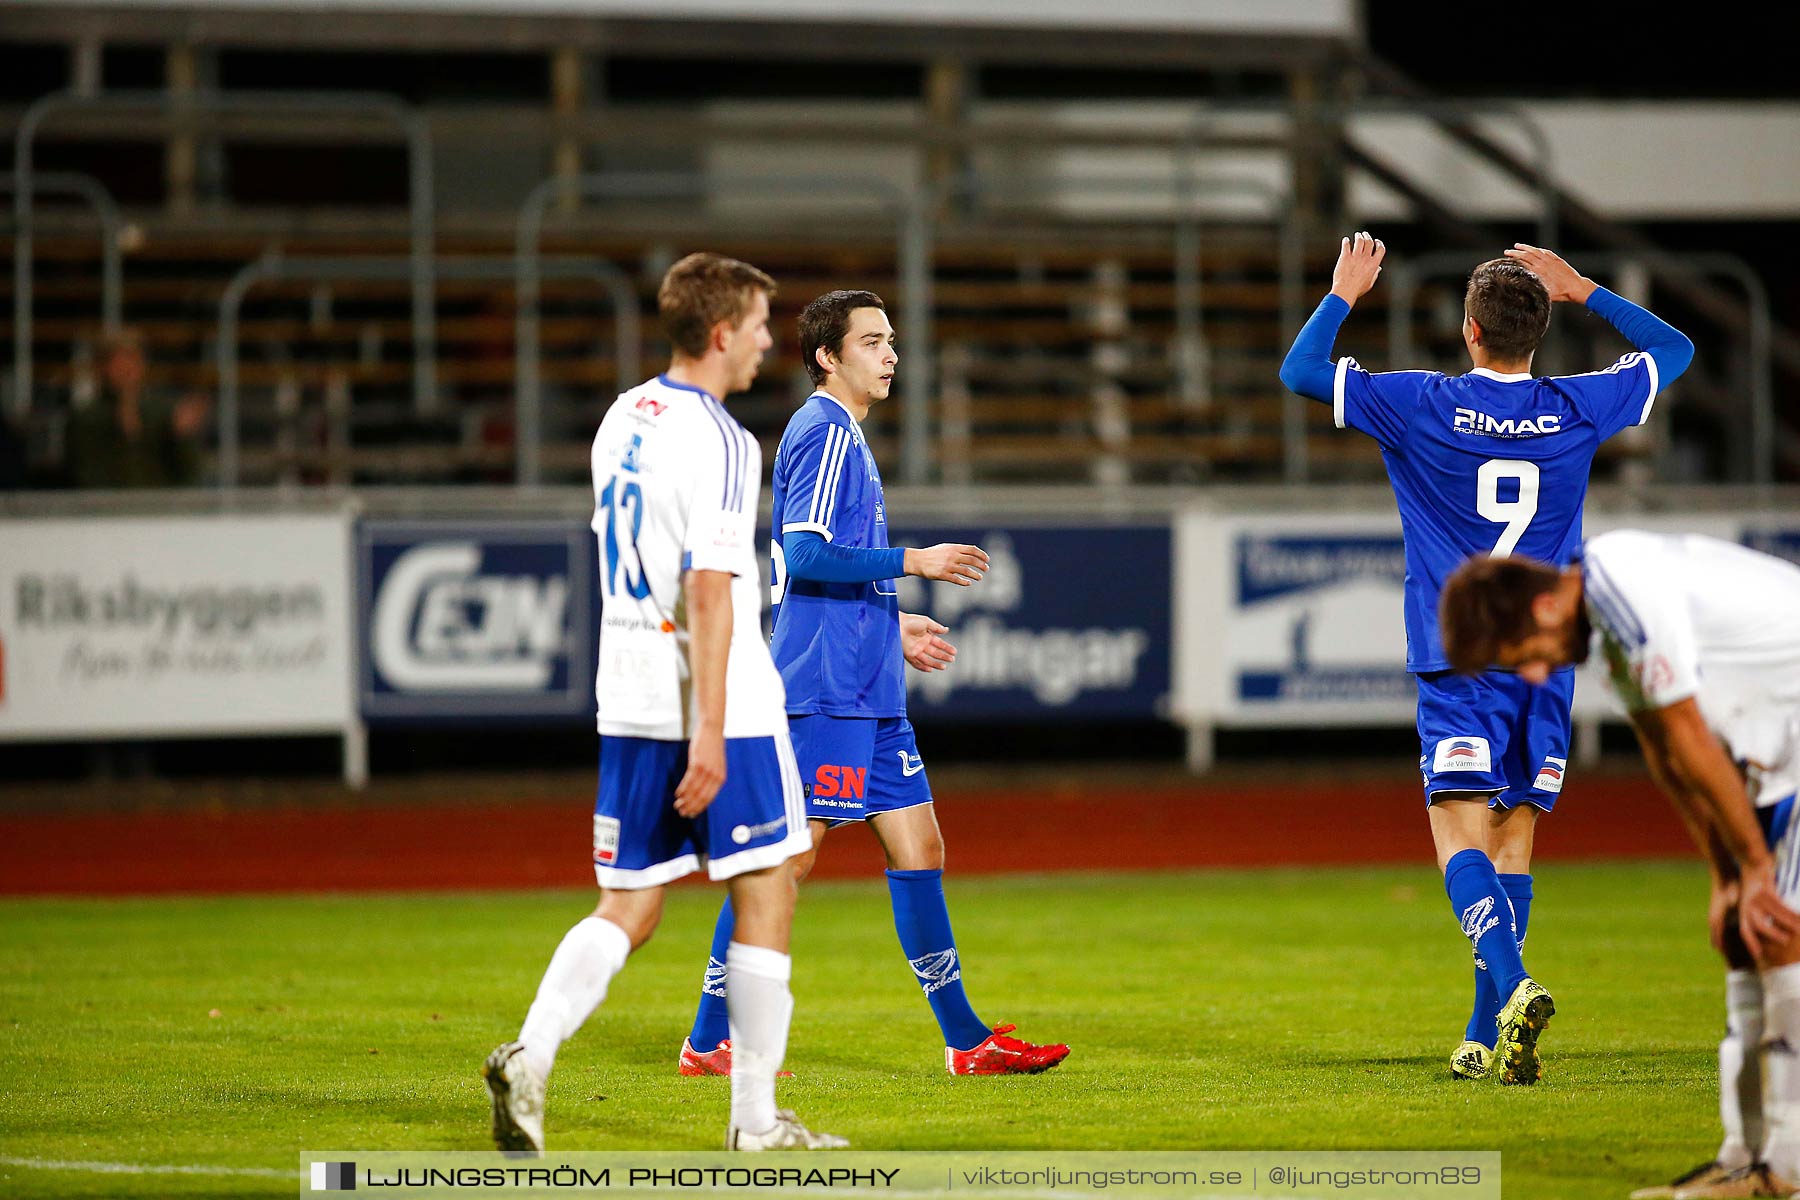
(810, 556)
(1666, 345)
(1378, 405)
(1307, 370)
(1622, 395)
(818, 485)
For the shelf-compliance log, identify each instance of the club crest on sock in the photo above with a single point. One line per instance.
(1478, 918)
(714, 983)
(937, 969)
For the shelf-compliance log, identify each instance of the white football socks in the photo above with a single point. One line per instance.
(573, 986)
(1740, 1070)
(1781, 1070)
(761, 1007)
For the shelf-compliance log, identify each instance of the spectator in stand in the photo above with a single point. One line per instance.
(127, 438)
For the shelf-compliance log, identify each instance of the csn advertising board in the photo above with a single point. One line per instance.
(464, 620)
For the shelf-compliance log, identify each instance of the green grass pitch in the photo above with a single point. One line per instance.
(1295, 1009)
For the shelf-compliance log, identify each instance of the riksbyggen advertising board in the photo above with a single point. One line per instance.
(174, 626)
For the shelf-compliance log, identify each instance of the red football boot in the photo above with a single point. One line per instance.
(1002, 1055)
(716, 1061)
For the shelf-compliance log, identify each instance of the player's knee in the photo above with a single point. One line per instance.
(801, 864)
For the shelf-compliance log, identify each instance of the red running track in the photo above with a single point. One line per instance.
(543, 843)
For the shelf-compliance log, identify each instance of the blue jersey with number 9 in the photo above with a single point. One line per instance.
(1486, 463)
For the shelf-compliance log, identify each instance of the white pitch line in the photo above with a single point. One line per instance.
(108, 1168)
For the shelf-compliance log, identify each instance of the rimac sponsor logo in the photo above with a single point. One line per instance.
(937, 970)
(63, 602)
(1550, 775)
(1469, 420)
(1463, 754)
(443, 623)
(1478, 918)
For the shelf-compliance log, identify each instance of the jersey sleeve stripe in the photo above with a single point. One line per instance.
(1337, 390)
(830, 472)
(823, 531)
(745, 445)
(831, 510)
(719, 420)
(1621, 622)
(812, 512)
(1650, 400)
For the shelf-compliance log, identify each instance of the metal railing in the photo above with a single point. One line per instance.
(274, 265)
(106, 211)
(419, 176)
(912, 242)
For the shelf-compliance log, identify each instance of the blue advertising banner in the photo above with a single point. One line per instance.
(1070, 624)
(462, 620)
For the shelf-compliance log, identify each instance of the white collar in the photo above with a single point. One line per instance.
(1497, 377)
(825, 395)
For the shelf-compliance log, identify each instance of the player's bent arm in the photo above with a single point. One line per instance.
(1700, 827)
(1666, 345)
(1697, 767)
(709, 654)
(810, 556)
(1308, 369)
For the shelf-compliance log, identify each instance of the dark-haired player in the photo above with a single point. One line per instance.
(1491, 462)
(842, 643)
(1701, 640)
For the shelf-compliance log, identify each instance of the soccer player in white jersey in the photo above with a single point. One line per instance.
(1701, 641)
(696, 770)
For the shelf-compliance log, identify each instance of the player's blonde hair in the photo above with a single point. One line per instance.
(700, 291)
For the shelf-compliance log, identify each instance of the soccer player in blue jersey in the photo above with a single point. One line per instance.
(842, 643)
(1491, 462)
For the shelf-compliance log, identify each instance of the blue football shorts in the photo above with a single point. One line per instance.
(757, 820)
(857, 767)
(1495, 733)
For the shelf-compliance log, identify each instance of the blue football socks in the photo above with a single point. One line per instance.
(1485, 912)
(712, 1023)
(922, 920)
(1484, 1020)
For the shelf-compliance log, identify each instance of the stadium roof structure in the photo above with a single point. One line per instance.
(1212, 33)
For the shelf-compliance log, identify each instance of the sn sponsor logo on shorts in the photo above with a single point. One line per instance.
(848, 782)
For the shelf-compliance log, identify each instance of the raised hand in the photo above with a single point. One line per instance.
(1358, 267)
(1566, 284)
(948, 562)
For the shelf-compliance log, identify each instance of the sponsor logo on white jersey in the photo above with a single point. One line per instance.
(1550, 775)
(937, 970)
(1463, 754)
(1469, 420)
(440, 625)
(1478, 918)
